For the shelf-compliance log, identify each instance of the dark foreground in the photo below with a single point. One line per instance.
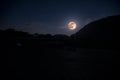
(59, 62)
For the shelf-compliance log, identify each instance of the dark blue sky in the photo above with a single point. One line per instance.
(52, 16)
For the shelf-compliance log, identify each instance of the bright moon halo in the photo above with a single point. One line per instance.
(72, 25)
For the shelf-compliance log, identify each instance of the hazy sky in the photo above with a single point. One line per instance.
(52, 16)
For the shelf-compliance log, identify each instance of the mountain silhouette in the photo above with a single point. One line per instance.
(100, 33)
(85, 55)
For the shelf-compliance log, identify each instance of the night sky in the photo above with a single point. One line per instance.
(52, 16)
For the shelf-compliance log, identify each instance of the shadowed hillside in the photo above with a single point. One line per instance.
(86, 55)
(101, 33)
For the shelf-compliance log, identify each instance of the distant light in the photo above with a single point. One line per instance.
(19, 44)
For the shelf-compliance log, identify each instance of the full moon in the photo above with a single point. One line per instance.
(72, 25)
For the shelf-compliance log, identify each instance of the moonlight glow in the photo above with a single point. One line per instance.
(72, 25)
